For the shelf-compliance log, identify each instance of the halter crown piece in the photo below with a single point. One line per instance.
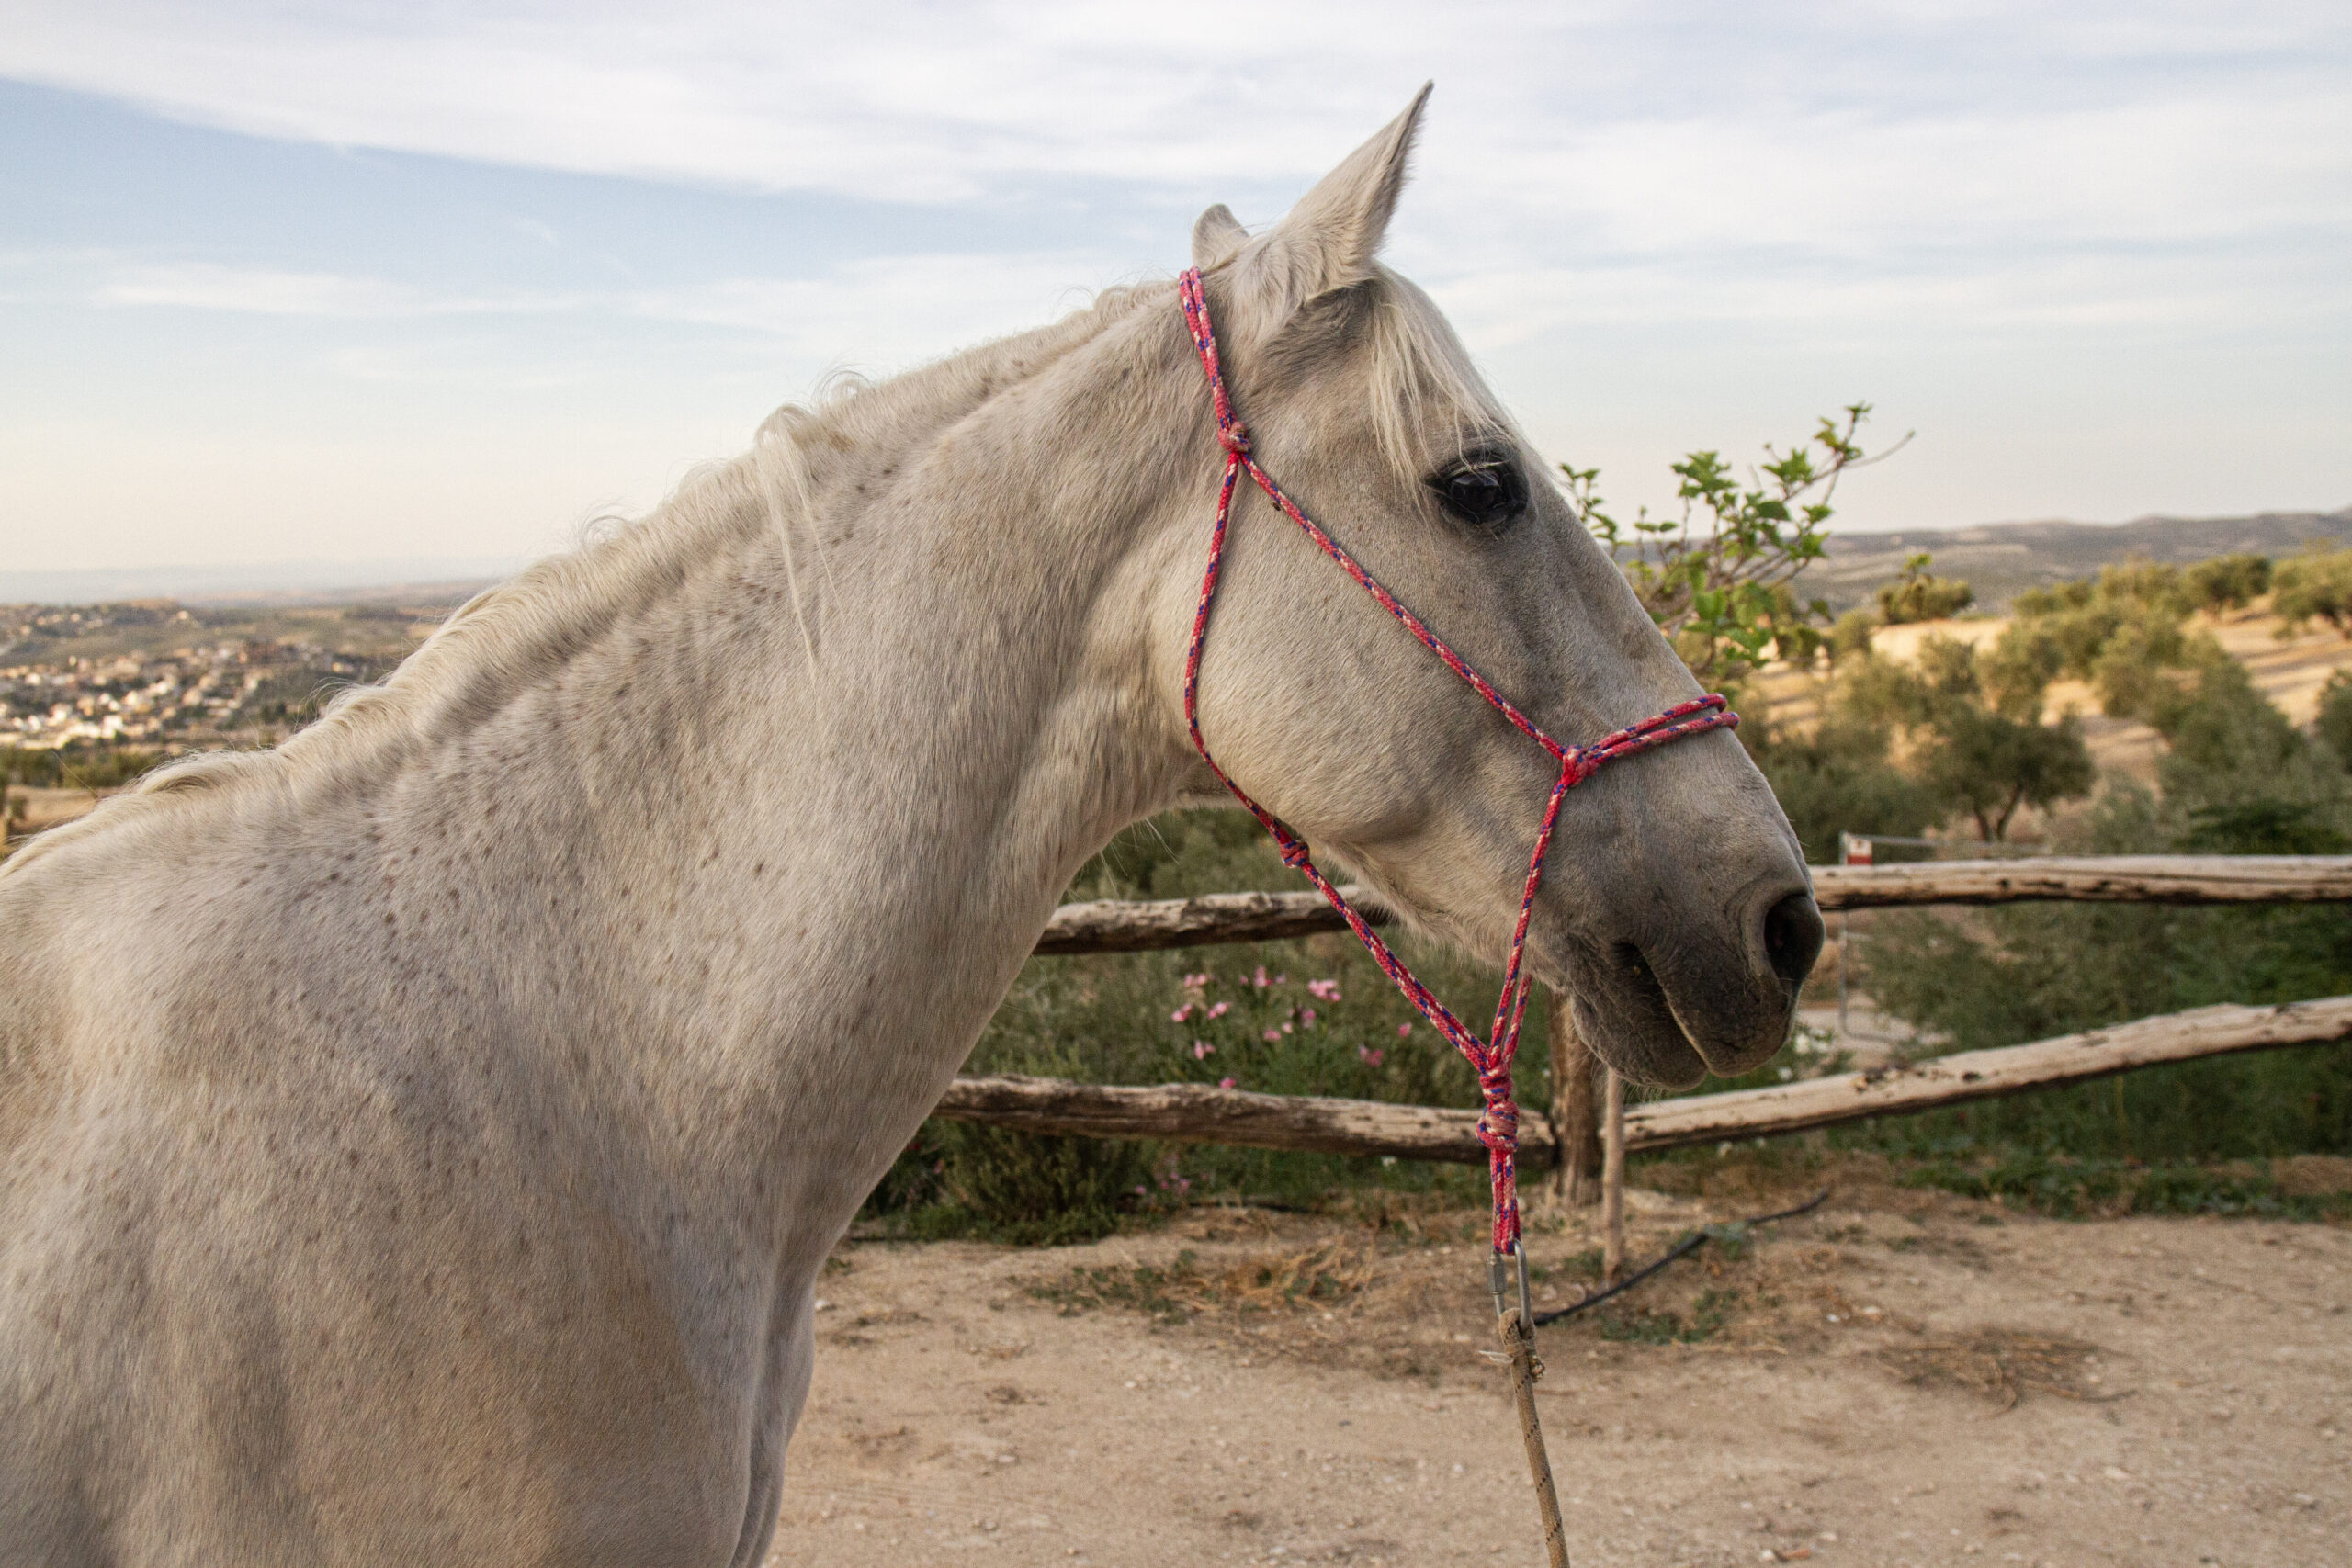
(1491, 1057)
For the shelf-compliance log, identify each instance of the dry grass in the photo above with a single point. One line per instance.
(2001, 1365)
(1332, 1271)
(1396, 1286)
(1317, 1277)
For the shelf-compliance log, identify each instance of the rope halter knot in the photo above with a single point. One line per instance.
(1491, 1057)
(1499, 1125)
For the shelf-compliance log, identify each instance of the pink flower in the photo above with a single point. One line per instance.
(1202, 1048)
(1371, 1057)
(1224, 1083)
(1307, 1015)
(1260, 979)
(1403, 1030)
(1220, 1010)
(1282, 980)
(1274, 1035)
(1286, 1028)
(1180, 1014)
(1324, 991)
(1194, 982)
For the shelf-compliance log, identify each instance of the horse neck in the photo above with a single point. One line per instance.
(794, 812)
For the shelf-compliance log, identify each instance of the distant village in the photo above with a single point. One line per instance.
(193, 693)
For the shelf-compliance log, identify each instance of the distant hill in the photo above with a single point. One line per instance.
(1997, 558)
(2000, 559)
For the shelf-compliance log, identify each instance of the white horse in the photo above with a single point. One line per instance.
(418, 1143)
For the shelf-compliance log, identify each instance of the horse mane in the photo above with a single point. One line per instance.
(524, 629)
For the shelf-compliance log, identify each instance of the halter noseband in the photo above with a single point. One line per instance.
(1490, 1059)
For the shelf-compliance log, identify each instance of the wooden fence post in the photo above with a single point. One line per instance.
(1575, 1110)
(1612, 1183)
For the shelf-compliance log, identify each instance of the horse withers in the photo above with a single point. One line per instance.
(418, 1143)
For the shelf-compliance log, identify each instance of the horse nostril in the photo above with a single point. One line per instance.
(1792, 937)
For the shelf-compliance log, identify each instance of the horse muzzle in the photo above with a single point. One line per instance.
(1669, 1005)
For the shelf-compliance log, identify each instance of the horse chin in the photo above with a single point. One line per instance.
(1628, 1023)
(1666, 1025)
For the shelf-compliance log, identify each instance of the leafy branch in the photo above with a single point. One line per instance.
(1718, 576)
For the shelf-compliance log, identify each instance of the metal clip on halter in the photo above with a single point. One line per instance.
(1498, 1280)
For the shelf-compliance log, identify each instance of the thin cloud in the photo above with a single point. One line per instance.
(264, 291)
(2086, 242)
(887, 310)
(1666, 121)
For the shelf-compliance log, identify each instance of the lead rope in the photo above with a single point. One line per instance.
(1490, 1059)
(1519, 1346)
(1515, 1323)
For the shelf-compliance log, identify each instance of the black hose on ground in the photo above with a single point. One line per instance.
(1683, 1248)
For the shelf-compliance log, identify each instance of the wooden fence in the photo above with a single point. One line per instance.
(1203, 1114)
(1116, 926)
(1199, 1113)
(1586, 1145)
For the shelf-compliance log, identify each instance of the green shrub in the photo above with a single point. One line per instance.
(2314, 587)
(2334, 726)
(1985, 759)
(1030, 1189)
(2122, 631)
(79, 766)
(1919, 596)
(2133, 670)
(1986, 765)
(2229, 582)
(2070, 1188)
(1850, 637)
(1838, 779)
(2238, 778)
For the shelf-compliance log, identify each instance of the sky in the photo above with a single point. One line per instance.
(385, 282)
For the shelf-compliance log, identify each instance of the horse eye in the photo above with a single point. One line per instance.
(1485, 490)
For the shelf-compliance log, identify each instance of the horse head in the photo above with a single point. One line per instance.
(1674, 907)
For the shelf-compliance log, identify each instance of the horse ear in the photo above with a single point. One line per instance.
(1330, 238)
(1218, 235)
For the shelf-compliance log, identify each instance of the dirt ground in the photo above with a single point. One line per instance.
(1899, 1377)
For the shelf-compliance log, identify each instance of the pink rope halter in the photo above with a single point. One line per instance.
(1491, 1057)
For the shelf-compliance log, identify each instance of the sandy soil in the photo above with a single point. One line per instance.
(1899, 1377)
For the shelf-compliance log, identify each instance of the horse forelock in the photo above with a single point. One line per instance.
(1429, 402)
(1423, 395)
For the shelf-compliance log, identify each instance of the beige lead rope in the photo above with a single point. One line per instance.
(1515, 1322)
(1519, 1343)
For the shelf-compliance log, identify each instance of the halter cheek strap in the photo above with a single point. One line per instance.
(1491, 1057)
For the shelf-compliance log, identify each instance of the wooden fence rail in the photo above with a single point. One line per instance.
(1119, 926)
(1198, 1113)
